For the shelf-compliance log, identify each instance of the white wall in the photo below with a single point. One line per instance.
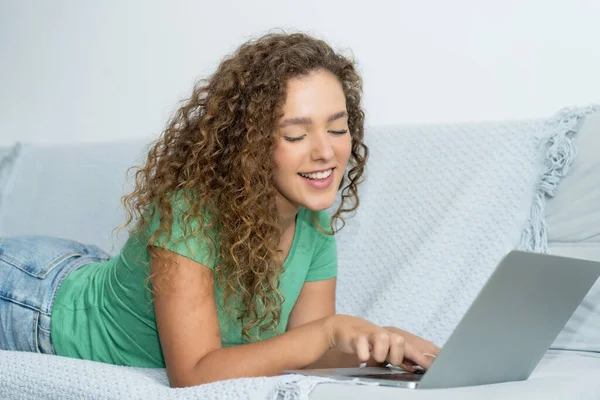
(102, 70)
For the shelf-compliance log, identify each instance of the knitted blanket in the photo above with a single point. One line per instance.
(440, 206)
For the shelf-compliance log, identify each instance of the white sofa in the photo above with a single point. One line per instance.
(73, 191)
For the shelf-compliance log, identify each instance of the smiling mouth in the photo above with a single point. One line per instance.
(317, 175)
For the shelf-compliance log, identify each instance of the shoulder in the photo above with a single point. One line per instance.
(182, 211)
(177, 220)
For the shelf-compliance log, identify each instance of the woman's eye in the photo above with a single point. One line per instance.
(293, 139)
(340, 132)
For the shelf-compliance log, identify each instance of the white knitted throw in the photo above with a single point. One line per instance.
(440, 207)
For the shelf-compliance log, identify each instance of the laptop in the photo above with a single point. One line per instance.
(506, 331)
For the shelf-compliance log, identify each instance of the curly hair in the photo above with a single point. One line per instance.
(217, 150)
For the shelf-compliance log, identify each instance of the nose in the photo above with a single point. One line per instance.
(322, 147)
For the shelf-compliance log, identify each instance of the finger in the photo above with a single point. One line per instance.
(417, 357)
(396, 354)
(407, 365)
(419, 342)
(381, 345)
(425, 346)
(408, 362)
(361, 348)
(435, 350)
(428, 348)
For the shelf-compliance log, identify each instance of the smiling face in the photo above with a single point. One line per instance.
(313, 143)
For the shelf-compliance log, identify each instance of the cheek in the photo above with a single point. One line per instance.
(279, 159)
(281, 179)
(285, 165)
(344, 150)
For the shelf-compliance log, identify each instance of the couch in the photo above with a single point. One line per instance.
(73, 191)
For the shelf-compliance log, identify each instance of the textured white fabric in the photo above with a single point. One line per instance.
(40, 376)
(440, 207)
(31, 376)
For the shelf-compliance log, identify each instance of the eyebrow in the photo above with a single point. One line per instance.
(308, 121)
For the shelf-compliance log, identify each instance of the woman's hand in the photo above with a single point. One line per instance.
(419, 344)
(358, 336)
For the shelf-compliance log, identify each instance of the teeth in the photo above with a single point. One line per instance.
(318, 175)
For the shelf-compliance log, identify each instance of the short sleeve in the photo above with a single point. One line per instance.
(187, 239)
(323, 264)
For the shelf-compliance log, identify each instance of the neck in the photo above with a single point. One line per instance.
(287, 213)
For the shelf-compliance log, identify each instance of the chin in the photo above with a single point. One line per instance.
(321, 204)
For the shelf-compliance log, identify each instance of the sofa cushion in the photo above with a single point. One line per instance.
(8, 158)
(73, 192)
(70, 191)
(573, 215)
(573, 218)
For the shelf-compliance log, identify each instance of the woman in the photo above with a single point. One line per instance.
(229, 270)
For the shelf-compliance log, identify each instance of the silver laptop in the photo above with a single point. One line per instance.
(505, 332)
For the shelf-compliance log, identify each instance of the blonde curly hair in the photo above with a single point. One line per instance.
(217, 150)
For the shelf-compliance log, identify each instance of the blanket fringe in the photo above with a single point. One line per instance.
(295, 388)
(298, 387)
(560, 153)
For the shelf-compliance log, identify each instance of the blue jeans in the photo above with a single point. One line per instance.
(31, 271)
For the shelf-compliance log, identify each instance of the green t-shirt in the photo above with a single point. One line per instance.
(104, 311)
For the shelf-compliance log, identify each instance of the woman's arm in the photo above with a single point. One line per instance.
(317, 301)
(187, 320)
(188, 326)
